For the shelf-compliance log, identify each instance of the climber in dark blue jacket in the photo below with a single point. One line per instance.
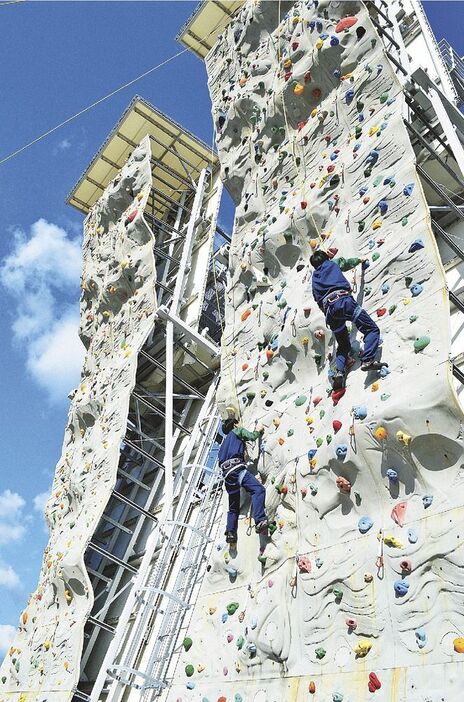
(332, 292)
(232, 462)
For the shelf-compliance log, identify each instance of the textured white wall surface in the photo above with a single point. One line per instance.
(359, 592)
(117, 314)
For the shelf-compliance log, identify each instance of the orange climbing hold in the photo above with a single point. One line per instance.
(345, 23)
(312, 687)
(269, 354)
(381, 433)
(245, 315)
(459, 645)
(245, 366)
(298, 89)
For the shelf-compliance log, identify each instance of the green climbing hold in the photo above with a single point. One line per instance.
(232, 608)
(346, 264)
(361, 226)
(404, 221)
(338, 594)
(321, 414)
(300, 400)
(377, 181)
(328, 438)
(412, 318)
(189, 670)
(383, 98)
(187, 643)
(421, 343)
(290, 432)
(265, 375)
(272, 526)
(320, 652)
(319, 442)
(251, 395)
(391, 309)
(375, 256)
(240, 642)
(262, 559)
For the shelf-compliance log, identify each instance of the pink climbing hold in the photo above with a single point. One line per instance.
(316, 400)
(230, 637)
(304, 564)
(351, 624)
(303, 491)
(130, 217)
(336, 425)
(332, 251)
(398, 513)
(345, 23)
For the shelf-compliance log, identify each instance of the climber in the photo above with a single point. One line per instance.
(232, 462)
(332, 292)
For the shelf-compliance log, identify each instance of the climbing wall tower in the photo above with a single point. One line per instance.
(141, 425)
(357, 592)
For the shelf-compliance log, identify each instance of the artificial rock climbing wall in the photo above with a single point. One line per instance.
(359, 592)
(117, 314)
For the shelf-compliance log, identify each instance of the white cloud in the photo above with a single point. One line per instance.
(8, 577)
(40, 274)
(62, 145)
(11, 505)
(7, 633)
(40, 501)
(12, 520)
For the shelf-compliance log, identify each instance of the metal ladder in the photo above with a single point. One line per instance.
(167, 595)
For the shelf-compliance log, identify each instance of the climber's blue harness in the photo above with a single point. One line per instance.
(333, 297)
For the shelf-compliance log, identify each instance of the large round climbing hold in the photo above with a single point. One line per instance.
(380, 433)
(459, 645)
(300, 400)
(189, 670)
(345, 23)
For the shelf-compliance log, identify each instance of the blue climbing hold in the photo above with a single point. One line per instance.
(341, 451)
(324, 35)
(337, 73)
(319, 562)
(349, 95)
(392, 475)
(427, 500)
(361, 117)
(407, 190)
(360, 411)
(337, 697)
(238, 697)
(334, 40)
(385, 288)
(372, 157)
(416, 289)
(333, 156)
(385, 396)
(389, 180)
(384, 371)
(253, 624)
(371, 244)
(401, 587)
(311, 453)
(251, 648)
(312, 24)
(412, 536)
(224, 617)
(190, 685)
(357, 146)
(416, 245)
(421, 637)
(362, 191)
(364, 524)
(319, 25)
(233, 572)
(383, 206)
(365, 265)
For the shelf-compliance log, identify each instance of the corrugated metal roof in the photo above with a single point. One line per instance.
(178, 157)
(210, 18)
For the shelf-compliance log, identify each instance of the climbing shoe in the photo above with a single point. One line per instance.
(261, 527)
(373, 365)
(231, 537)
(338, 381)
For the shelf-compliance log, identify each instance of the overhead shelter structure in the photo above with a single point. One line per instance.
(203, 27)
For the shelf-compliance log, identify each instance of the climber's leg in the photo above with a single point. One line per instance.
(258, 497)
(233, 491)
(371, 333)
(336, 316)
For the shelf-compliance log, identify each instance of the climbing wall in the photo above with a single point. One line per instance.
(117, 313)
(358, 593)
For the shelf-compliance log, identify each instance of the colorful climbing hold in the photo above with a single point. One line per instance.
(398, 513)
(401, 587)
(364, 524)
(362, 648)
(421, 343)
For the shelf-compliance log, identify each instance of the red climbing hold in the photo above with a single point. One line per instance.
(337, 395)
(301, 124)
(130, 217)
(374, 682)
(303, 204)
(343, 485)
(381, 311)
(316, 93)
(330, 168)
(336, 425)
(295, 45)
(333, 251)
(345, 23)
(406, 565)
(307, 76)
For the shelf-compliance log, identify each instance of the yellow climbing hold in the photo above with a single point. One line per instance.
(373, 130)
(374, 387)
(459, 645)
(390, 540)
(319, 44)
(314, 112)
(288, 63)
(309, 420)
(376, 224)
(362, 648)
(403, 438)
(298, 89)
(46, 644)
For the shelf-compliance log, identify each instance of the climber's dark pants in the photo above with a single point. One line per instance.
(233, 481)
(346, 309)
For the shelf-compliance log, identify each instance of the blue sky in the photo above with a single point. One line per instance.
(57, 58)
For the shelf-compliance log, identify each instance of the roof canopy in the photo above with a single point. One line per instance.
(177, 157)
(210, 18)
